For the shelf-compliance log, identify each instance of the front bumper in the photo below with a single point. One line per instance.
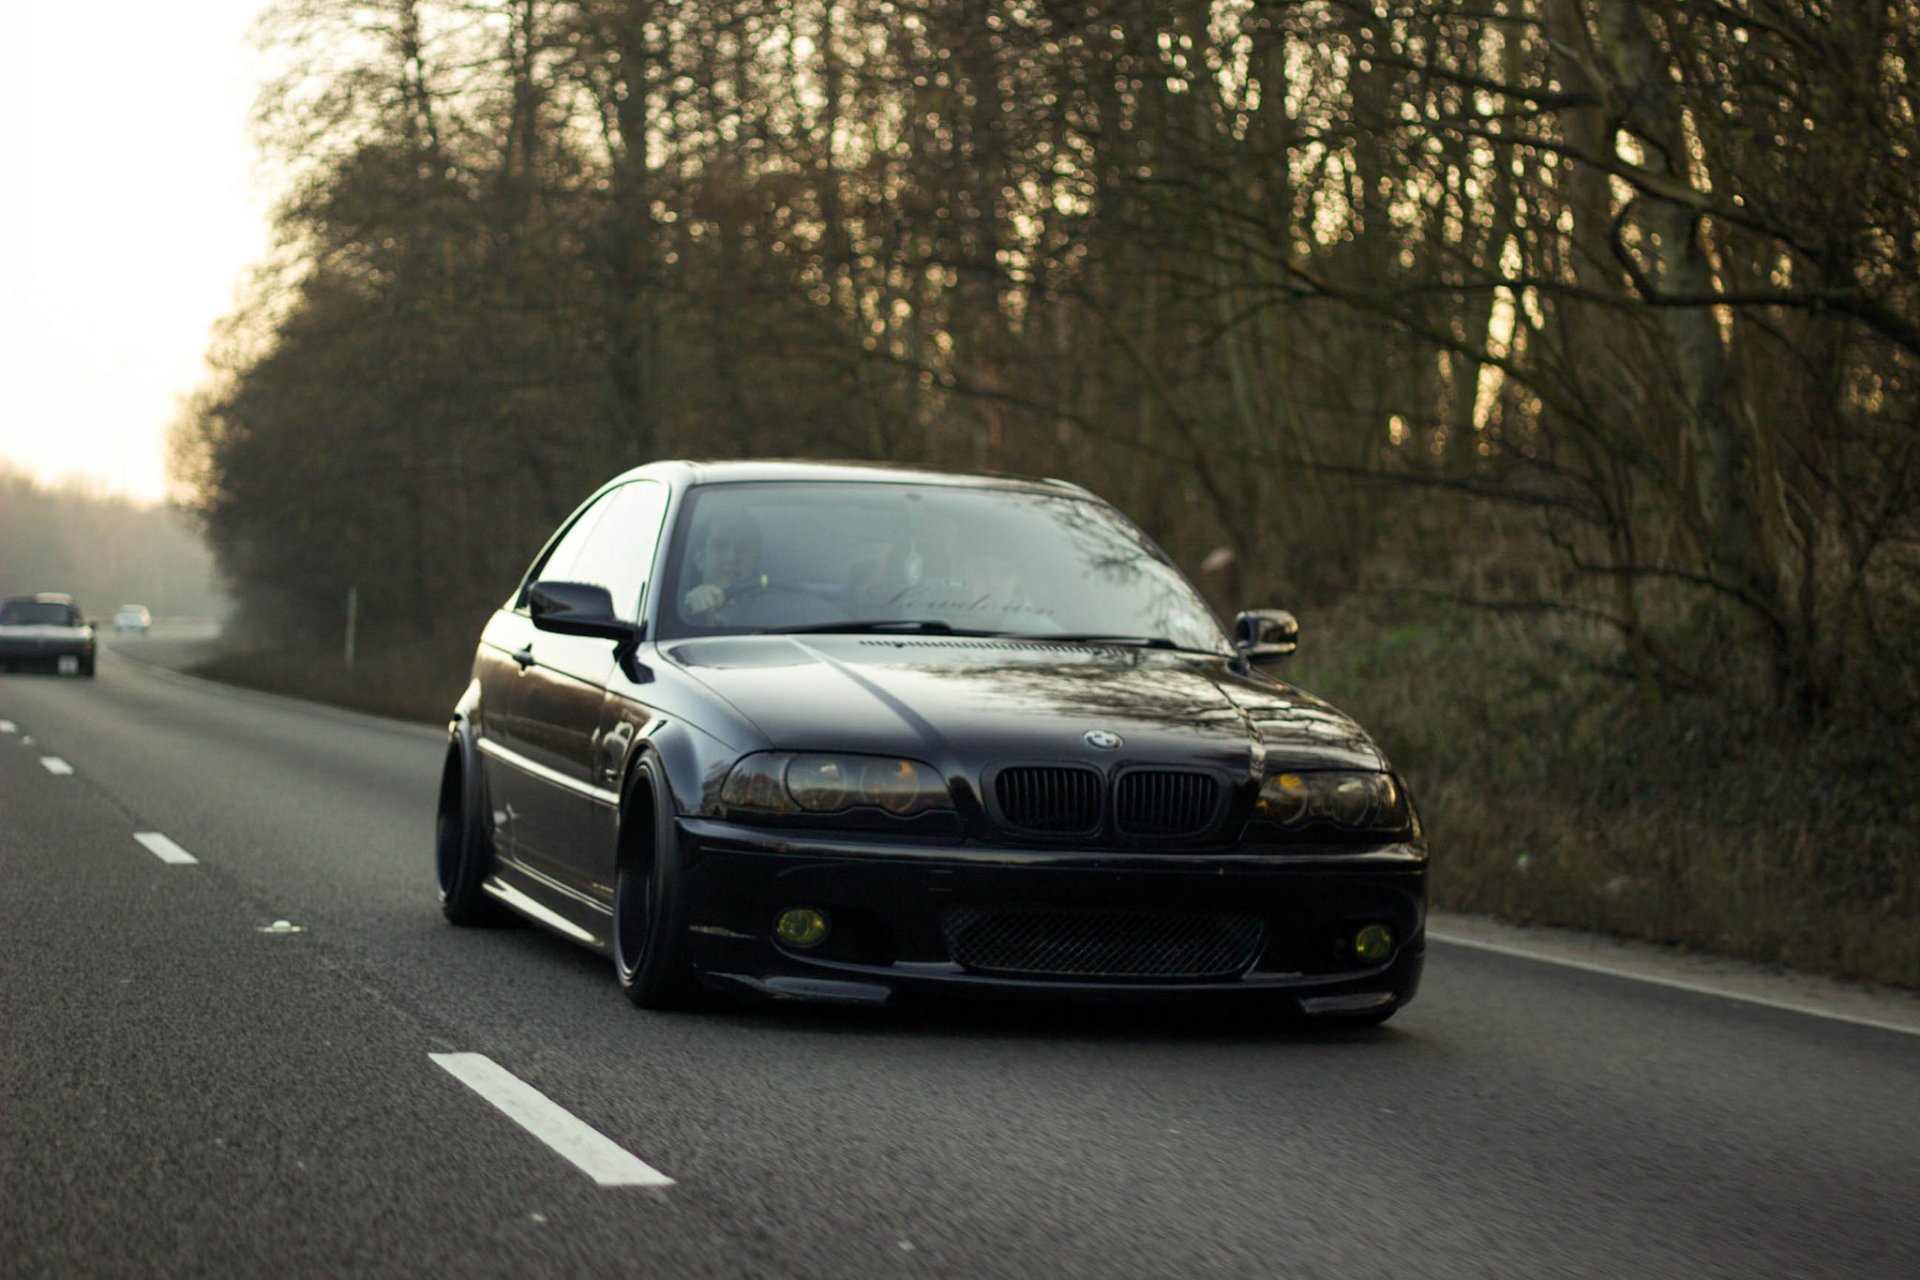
(892, 908)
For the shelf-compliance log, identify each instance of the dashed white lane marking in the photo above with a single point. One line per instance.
(55, 765)
(164, 849)
(590, 1151)
(1676, 984)
(8, 726)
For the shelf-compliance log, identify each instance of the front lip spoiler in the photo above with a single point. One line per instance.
(1320, 994)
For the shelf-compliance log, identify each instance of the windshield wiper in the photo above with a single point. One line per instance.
(855, 626)
(1101, 637)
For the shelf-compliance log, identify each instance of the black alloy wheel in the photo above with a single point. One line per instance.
(649, 907)
(463, 846)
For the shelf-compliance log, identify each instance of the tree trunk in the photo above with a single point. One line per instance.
(1718, 439)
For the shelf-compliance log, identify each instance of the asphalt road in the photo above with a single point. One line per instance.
(185, 1090)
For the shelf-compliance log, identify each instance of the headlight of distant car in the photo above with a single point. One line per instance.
(779, 782)
(1350, 801)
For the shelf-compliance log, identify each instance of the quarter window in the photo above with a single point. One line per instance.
(612, 545)
(618, 552)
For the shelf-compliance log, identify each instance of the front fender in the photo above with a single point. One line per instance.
(467, 709)
(693, 764)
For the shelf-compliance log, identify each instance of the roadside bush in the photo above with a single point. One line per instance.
(413, 684)
(1557, 793)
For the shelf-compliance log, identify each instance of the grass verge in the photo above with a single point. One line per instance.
(419, 686)
(1557, 795)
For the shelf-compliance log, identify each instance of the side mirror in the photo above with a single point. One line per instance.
(1263, 636)
(578, 609)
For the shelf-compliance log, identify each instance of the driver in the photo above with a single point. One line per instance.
(729, 565)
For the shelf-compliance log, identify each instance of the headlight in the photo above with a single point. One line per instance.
(781, 783)
(1353, 801)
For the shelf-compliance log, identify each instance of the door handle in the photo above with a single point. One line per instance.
(524, 657)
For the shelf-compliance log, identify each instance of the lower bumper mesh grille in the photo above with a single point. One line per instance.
(1093, 943)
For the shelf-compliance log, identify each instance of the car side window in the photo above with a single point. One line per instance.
(618, 552)
(559, 564)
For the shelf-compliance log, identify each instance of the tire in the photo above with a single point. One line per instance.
(463, 845)
(649, 934)
(86, 667)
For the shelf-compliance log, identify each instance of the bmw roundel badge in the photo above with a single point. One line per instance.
(1101, 740)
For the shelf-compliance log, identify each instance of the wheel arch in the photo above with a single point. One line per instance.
(467, 707)
(686, 764)
(462, 752)
(462, 832)
(640, 799)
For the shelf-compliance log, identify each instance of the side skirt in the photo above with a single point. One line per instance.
(552, 907)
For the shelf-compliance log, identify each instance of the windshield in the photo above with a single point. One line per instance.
(752, 557)
(36, 613)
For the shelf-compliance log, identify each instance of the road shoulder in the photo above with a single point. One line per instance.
(1886, 1007)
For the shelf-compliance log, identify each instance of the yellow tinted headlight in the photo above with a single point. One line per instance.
(819, 784)
(1284, 798)
(1348, 799)
(779, 782)
(758, 782)
(899, 786)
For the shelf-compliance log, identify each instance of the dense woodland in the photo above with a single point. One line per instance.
(1561, 357)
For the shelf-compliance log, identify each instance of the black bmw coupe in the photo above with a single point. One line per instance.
(849, 733)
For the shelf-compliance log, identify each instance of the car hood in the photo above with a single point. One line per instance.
(963, 703)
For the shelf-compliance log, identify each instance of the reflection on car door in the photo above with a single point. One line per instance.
(556, 708)
(506, 662)
(563, 818)
(508, 632)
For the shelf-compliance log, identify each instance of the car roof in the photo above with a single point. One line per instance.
(41, 597)
(687, 472)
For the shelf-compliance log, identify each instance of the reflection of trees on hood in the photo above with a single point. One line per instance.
(1145, 686)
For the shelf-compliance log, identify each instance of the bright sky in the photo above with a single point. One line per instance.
(128, 216)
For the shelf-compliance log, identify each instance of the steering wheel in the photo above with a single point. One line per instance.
(777, 604)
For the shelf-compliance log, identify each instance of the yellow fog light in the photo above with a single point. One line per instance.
(801, 927)
(1373, 944)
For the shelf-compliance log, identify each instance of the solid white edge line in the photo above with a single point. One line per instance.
(1695, 988)
(589, 1150)
(164, 849)
(56, 766)
(8, 726)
